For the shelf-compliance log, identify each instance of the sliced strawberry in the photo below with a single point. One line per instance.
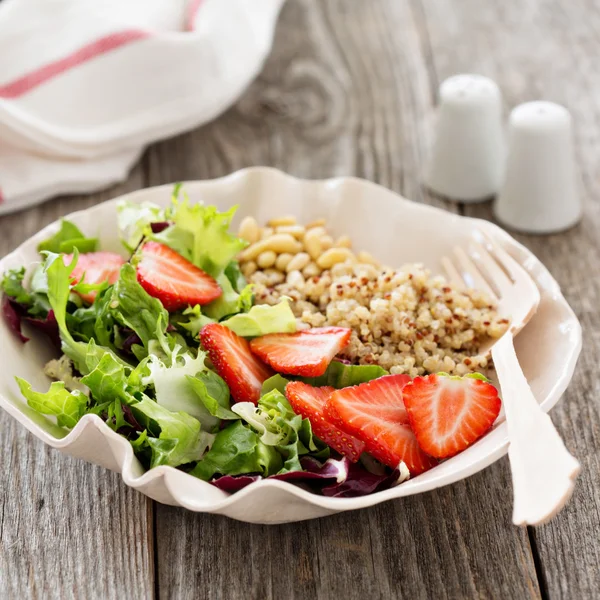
(448, 414)
(231, 357)
(95, 267)
(306, 353)
(309, 402)
(374, 413)
(175, 281)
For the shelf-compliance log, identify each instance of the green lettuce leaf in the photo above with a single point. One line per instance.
(235, 276)
(213, 393)
(263, 319)
(201, 234)
(276, 382)
(191, 320)
(36, 299)
(134, 219)
(278, 426)
(66, 239)
(229, 302)
(340, 375)
(67, 407)
(237, 450)
(86, 356)
(12, 285)
(175, 438)
(131, 306)
(107, 381)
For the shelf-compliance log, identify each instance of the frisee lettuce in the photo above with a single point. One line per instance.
(279, 426)
(174, 438)
(134, 219)
(67, 407)
(173, 387)
(201, 234)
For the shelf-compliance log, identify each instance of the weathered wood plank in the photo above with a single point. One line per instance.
(347, 90)
(543, 51)
(67, 529)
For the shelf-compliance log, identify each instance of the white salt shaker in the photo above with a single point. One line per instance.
(468, 155)
(541, 190)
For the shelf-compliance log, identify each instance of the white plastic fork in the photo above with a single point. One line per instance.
(543, 470)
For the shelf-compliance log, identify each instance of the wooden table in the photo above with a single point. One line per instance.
(348, 90)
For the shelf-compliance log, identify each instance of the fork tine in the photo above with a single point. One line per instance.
(501, 256)
(470, 273)
(494, 274)
(453, 275)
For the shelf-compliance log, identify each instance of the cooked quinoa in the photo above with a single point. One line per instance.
(402, 319)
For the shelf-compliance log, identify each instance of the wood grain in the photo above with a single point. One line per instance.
(496, 39)
(67, 529)
(347, 90)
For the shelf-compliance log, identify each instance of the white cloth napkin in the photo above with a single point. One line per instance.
(86, 84)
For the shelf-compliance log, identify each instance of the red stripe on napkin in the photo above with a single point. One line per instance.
(103, 45)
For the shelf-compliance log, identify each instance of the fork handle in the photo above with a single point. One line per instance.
(543, 470)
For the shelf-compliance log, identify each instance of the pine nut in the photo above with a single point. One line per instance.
(312, 243)
(266, 259)
(279, 243)
(298, 262)
(295, 278)
(249, 230)
(294, 230)
(311, 270)
(283, 260)
(333, 256)
(320, 231)
(367, 258)
(343, 242)
(326, 242)
(274, 277)
(249, 268)
(266, 232)
(316, 223)
(279, 221)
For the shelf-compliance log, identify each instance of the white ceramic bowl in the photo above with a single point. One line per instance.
(393, 229)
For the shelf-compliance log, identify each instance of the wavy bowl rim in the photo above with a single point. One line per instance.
(411, 487)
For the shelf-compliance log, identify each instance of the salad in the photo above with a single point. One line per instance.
(170, 350)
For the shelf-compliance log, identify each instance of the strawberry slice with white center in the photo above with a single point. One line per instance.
(306, 353)
(374, 413)
(174, 280)
(233, 361)
(448, 414)
(95, 267)
(309, 402)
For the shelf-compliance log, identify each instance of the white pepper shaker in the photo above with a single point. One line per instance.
(541, 190)
(468, 155)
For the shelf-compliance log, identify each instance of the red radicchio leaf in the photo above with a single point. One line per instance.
(48, 325)
(360, 483)
(341, 478)
(129, 341)
(234, 483)
(331, 470)
(159, 226)
(12, 317)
